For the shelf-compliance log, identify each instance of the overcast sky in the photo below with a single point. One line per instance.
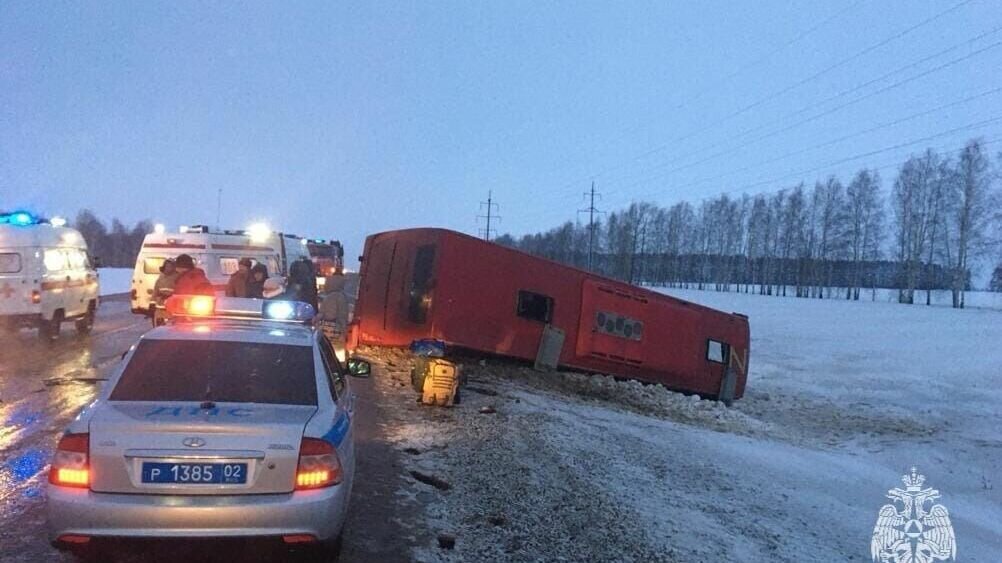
(343, 119)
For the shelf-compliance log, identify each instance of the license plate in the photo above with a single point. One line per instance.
(195, 473)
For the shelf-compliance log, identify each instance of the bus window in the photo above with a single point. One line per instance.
(421, 283)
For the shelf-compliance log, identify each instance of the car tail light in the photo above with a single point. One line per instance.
(36, 296)
(319, 465)
(299, 538)
(69, 465)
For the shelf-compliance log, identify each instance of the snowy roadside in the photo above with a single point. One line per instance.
(583, 467)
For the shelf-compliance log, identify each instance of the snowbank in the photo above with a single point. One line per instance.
(115, 280)
(843, 398)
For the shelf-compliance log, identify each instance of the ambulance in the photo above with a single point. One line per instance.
(46, 276)
(218, 253)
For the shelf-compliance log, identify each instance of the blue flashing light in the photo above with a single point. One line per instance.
(288, 311)
(281, 310)
(19, 218)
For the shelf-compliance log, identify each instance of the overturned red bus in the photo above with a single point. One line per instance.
(483, 297)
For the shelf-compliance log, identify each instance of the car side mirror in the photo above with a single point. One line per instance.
(96, 262)
(359, 367)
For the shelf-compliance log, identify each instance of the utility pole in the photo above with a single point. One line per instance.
(591, 210)
(491, 215)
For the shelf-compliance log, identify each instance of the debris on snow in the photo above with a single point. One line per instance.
(446, 541)
(431, 480)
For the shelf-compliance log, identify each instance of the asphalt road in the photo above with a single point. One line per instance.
(43, 386)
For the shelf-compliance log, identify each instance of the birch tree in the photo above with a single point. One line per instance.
(972, 194)
(865, 220)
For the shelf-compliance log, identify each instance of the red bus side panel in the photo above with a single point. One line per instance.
(433, 283)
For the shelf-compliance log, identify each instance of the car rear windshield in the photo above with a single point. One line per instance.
(239, 372)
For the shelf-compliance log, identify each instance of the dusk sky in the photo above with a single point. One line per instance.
(343, 119)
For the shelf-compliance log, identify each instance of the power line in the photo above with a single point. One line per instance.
(802, 82)
(491, 215)
(843, 93)
(856, 156)
(768, 55)
(890, 164)
(842, 62)
(928, 58)
(852, 135)
(839, 139)
(815, 116)
(740, 70)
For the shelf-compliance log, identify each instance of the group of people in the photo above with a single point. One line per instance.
(180, 276)
(248, 280)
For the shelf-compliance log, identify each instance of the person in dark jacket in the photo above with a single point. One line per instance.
(191, 280)
(301, 284)
(237, 286)
(308, 282)
(255, 282)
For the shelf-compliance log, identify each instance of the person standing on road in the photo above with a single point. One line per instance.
(307, 281)
(255, 283)
(162, 289)
(302, 284)
(164, 285)
(191, 280)
(334, 307)
(333, 314)
(238, 284)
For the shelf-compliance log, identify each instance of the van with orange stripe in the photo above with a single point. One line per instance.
(46, 276)
(218, 253)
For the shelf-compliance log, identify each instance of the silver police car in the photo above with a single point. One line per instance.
(235, 420)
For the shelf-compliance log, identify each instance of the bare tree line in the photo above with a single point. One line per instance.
(116, 246)
(939, 217)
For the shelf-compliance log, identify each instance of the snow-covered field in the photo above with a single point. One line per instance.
(937, 297)
(843, 398)
(115, 280)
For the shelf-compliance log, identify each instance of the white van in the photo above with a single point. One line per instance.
(218, 253)
(46, 276)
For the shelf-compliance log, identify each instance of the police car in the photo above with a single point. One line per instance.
(234, 420)
(46, 276)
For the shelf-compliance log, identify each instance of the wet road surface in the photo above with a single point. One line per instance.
(43, 386)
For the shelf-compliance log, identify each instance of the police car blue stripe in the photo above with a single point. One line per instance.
(339, 430)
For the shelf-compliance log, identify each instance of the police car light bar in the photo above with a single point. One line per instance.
(205, 307)
(19, 218)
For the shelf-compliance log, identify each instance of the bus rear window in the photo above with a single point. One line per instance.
(239, 372)
(10, 263)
